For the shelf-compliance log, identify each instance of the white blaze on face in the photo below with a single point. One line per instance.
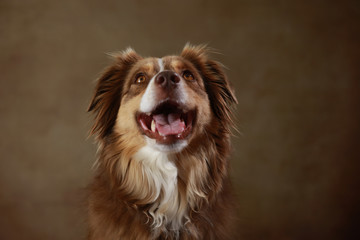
(161, 64)
(150, 99)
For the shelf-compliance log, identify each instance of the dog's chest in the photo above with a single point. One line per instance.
(161, 174)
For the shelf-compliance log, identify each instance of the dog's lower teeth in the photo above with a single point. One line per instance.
(153, 126)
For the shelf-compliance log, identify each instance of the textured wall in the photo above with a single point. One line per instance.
(295, 67)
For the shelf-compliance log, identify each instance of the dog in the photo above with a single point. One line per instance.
(163, 128)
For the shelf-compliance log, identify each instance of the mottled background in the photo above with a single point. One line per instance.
(295, 68)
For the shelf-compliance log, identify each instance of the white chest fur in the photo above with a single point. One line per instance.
(161, 173)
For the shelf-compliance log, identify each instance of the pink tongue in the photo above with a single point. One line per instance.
(169, 124)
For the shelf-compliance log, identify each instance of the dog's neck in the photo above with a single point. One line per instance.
(159, 170)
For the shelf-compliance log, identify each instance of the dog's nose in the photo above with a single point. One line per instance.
(167, 79)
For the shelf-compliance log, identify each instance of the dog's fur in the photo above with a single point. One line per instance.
(162, 184)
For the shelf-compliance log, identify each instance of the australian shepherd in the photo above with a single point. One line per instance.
(163, 130)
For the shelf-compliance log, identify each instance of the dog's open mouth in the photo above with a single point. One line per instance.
(167, 123)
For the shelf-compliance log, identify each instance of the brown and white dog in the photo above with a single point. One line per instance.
(163, 129)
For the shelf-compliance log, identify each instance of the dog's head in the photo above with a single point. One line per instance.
(162, 102)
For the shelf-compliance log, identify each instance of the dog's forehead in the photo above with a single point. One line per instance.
(174, 63)
(149, 65)
(154, 65)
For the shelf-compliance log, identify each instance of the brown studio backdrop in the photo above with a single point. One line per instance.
(295, 68)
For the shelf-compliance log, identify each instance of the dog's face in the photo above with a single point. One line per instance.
(165, 100)
(162, 102)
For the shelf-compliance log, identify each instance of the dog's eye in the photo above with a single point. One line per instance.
(188, 76)
(140, 78)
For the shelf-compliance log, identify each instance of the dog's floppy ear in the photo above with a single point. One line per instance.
(220, 93)
(106, 100)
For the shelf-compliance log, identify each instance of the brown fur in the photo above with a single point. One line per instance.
(121, 195)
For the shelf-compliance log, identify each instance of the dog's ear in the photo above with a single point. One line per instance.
(106, 100)
(218, 88)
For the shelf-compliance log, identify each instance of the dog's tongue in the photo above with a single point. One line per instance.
(169, 124)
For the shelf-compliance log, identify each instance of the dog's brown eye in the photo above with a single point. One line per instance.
(188, 76)
(140, 78)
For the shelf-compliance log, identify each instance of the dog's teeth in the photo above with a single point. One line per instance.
(153, 126)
